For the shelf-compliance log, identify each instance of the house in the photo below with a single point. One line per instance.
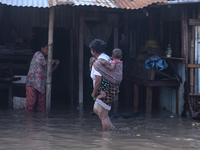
(127, 25)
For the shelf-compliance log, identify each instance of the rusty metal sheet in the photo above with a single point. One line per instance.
(135, 4)
(123, 4)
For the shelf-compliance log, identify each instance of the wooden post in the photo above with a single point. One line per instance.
(49, 61)
(126, 50)
(72, 41)
(192, 59)
(127, 93)
(136, 96)
(151, 26)
(81, 60)
(149, 99)
(161, 34)
(186, 59)
(182, 34)
(177, 101)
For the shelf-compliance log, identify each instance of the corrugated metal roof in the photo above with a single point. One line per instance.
(180, 2)
(124, 4)
(26, 3)
(135, 4)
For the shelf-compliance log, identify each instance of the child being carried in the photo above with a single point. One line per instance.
(111, 72)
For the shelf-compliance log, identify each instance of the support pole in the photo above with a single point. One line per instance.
(49, 61)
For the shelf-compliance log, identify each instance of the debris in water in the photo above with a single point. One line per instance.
(138, 135)
(106, 139)
(195, 124)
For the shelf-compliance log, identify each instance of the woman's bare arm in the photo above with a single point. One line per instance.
(96, 85)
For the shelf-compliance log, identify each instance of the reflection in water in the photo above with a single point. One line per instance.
(77, 129)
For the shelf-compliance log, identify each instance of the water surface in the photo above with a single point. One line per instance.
(78, 130)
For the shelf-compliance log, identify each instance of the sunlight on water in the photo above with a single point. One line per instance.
(77, 130)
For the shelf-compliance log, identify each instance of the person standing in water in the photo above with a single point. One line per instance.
(101, 106)
(36, 80)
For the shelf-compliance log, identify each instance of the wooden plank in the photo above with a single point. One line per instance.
(161, 34)
(4, 86)
(72, 51)
(126, 33)
(192, 60)
(149, 100)
(182, 34)
(12, 57)
(14, 66)
(169, 83)
(127, 93)
(175, 70)
(10, 96)
(193, 65)
(136, 80)
(136, 95)
(177, 101)
(175, 59)
(144, 82)
(162, 74)
(10, 79)
(194, 22)
(151, 26)
(195, 94)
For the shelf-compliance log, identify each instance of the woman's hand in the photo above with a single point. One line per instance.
(56, 64)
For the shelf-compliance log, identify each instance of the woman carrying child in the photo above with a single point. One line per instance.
(102, 105)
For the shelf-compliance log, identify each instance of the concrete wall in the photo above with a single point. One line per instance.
(168, 95)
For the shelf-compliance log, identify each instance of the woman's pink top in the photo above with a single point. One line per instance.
(36, 77)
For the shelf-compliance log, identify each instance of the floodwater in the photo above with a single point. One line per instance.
(68, 129)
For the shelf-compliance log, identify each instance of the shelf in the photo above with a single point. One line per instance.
(175, 59)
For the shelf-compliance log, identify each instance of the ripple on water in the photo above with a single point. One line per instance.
(75, 129)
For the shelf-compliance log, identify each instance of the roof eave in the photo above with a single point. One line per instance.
(178, 2)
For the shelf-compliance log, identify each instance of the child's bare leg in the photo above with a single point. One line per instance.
(102, 95)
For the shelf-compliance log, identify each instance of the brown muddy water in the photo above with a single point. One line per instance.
(68, 129)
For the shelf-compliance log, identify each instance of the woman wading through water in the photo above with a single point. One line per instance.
(102, 105)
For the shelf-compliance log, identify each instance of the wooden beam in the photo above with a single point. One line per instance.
(195, 94)
(14, 66)
(194, 22)
(144, 82)
(13, 57)
(49, 61)
(193, 65)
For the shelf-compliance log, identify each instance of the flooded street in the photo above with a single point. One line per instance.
(79, 130)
